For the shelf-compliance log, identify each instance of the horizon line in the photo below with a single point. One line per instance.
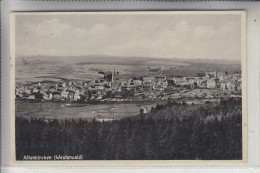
(118, 56)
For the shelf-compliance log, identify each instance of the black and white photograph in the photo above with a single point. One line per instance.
(129, 86)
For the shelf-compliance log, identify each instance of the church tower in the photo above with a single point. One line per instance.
(113, 75)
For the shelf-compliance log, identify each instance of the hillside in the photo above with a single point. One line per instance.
(170, 132)
(86, 67)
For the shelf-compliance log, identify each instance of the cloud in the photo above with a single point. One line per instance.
(130, 38)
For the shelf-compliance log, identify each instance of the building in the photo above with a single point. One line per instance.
(148, 79)
(35, 90)
(223, 86)
(58, 86)
(27, 91)
(45, 97)
(31, 97)
(64, 94)
(211, 75)
(99, 87)
(144, 110)
(71, 95)
(231, 86)
(56, 95)
(50, 96)
(211, 83)
(179, 81)
(76, 96)
(239, 87)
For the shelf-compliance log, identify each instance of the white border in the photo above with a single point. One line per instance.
(242, 15)
(253, 56)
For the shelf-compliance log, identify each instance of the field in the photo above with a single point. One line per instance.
(99, 111)
(33, 69)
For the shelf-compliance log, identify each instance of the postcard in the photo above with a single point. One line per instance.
(136, 87)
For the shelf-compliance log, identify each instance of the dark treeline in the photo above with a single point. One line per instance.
(174, 131)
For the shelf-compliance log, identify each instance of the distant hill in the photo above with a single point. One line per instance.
(85, 67)
(116, 60)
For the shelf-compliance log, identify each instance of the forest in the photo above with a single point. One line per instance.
(171, 131)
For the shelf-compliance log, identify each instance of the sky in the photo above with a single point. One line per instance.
(161, 35)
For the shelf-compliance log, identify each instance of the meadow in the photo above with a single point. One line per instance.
(86, 111)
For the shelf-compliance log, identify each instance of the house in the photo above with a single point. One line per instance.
(137, 82)
(52, 88)
(131, 83)
(27, 91)
(108, 88)
(99, 87)
(165, 84)
(56, 95)
(99, 97)
(211, 74)
(64, 94)
(223, 86)
(45, 97)
(160, 78)
(50, 96)
(235, 77)
(35, 90)
(71, 95)
(76, 96)
(239, 87)
(144, 110)
(58, 85)
(18, 95)
(175, 96)
(82, 91)
(231, 86)
(222, 77)
(31, 97)
(211, 83)
(148, 79)
(179, 81)
(189, 79)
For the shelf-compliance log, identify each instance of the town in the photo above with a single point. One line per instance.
(111, 86)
